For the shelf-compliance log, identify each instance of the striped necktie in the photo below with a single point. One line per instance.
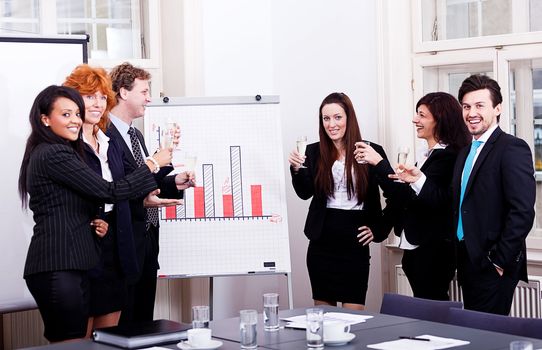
(152, 213)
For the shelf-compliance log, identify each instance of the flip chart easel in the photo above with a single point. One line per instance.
(234, 221)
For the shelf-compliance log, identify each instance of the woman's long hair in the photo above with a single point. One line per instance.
(450, 129)
(329, 153)
(43, 105)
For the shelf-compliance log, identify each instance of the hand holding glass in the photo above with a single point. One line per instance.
(402, 156)
(301, 145)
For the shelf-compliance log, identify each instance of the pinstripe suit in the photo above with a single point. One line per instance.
(64, 192)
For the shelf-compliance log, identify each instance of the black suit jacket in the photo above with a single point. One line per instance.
(498, 205)
(64, 194)
(425, 218)
(166, 184)
(303, 183)
(124, 234)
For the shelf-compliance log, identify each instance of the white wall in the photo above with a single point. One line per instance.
(301, 50)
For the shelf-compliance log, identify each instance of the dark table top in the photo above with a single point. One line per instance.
(378, 329)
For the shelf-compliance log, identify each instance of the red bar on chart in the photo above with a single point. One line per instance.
(199, 202)
(256, 199)
(171, 212)
(227, 201)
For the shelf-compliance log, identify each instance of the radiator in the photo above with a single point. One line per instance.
(526, 302)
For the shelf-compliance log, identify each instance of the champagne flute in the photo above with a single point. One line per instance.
(301, 144)
(169, 134)
(402, 156)
(190, 160)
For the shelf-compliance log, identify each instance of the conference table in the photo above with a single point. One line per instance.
(379, 328)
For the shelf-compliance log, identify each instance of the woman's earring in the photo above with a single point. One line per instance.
(46, 125)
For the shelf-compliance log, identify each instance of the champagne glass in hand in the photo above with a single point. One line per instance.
(402, 156)
(301, 144)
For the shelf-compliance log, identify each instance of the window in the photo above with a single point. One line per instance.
(439, 24)
(117, 29)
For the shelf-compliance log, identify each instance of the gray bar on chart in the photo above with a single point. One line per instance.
(181, 211)
(236, 180)
(208, 190)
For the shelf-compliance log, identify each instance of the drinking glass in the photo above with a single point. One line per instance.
(301, 145)
(248, 321)
(315, 328)
(271, 312)
(521, 345)
(190, 161)
(200, 316)
(402, 156)
(364, 161)
(167, 134)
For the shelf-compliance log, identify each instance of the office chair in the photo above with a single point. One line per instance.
(525, 327)
(423, 309)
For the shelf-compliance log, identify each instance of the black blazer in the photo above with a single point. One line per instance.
(498, 205)
(124, 234)
(167, 186)
(303, 183)
(64, 194)
(426, 218)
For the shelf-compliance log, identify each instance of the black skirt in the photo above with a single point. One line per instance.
(338, 264)
(108, 288)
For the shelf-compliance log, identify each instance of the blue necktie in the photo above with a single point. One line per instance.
(464, 180)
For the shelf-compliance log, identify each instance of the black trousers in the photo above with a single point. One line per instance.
(430, 268)
(483, 288)
(142, 292)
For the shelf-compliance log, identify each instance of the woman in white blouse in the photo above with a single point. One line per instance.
(345, 214)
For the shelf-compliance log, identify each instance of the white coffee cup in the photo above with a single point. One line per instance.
(199, 337)
(335, 330)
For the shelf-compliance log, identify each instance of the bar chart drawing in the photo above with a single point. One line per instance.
(233, 220)
(203, 200)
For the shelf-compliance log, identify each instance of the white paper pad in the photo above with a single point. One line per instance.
(300, 321)
(409, 344)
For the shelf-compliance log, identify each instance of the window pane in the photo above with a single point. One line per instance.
(19, 17)
(113, 31)
(526, 110)
(456, 19)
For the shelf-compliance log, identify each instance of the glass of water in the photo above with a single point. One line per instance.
(315, 328)
(248, 322)
(200, 316)
(271, 312)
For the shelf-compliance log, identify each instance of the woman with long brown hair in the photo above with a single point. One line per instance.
(345, 212)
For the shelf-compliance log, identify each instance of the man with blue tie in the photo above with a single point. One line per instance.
(493, 196)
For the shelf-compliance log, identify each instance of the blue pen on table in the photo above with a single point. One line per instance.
(414, 338)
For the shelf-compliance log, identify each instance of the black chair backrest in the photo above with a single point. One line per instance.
(422, 309)
(525, 327)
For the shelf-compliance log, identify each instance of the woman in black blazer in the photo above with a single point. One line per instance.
(345, 214)
(425, 227)
(64, 194)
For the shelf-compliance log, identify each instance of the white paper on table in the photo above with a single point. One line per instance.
(300, 321)
(410, 344)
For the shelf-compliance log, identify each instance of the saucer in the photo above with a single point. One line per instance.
(213, 344)
(340, 341)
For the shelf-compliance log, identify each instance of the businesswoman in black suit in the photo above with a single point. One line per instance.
(345, 212)
(64, 194)
(425, 227)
